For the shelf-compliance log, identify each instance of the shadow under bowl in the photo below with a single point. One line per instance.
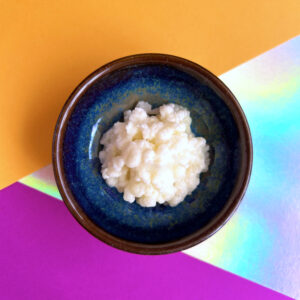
(99, 101)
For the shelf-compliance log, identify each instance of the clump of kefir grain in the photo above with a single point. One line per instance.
(153, 157)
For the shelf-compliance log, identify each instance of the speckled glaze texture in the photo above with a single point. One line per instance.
(102, 104)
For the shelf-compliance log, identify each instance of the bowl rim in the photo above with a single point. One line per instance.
(240, 185)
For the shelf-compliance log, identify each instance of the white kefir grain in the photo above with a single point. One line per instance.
(153, 157)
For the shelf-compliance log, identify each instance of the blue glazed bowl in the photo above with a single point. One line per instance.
(99, 101)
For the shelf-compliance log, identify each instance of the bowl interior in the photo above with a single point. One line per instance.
(102, 104)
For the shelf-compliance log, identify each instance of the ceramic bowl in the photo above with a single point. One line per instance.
(99, 101)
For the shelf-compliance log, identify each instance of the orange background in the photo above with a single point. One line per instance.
(48, 47)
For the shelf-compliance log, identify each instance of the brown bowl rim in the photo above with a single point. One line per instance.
(201, 234)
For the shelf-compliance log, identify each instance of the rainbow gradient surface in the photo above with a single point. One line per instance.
(261, 242)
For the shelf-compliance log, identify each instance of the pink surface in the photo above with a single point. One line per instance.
(45, 254)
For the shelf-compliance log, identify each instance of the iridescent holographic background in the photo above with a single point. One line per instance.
(261, 242)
